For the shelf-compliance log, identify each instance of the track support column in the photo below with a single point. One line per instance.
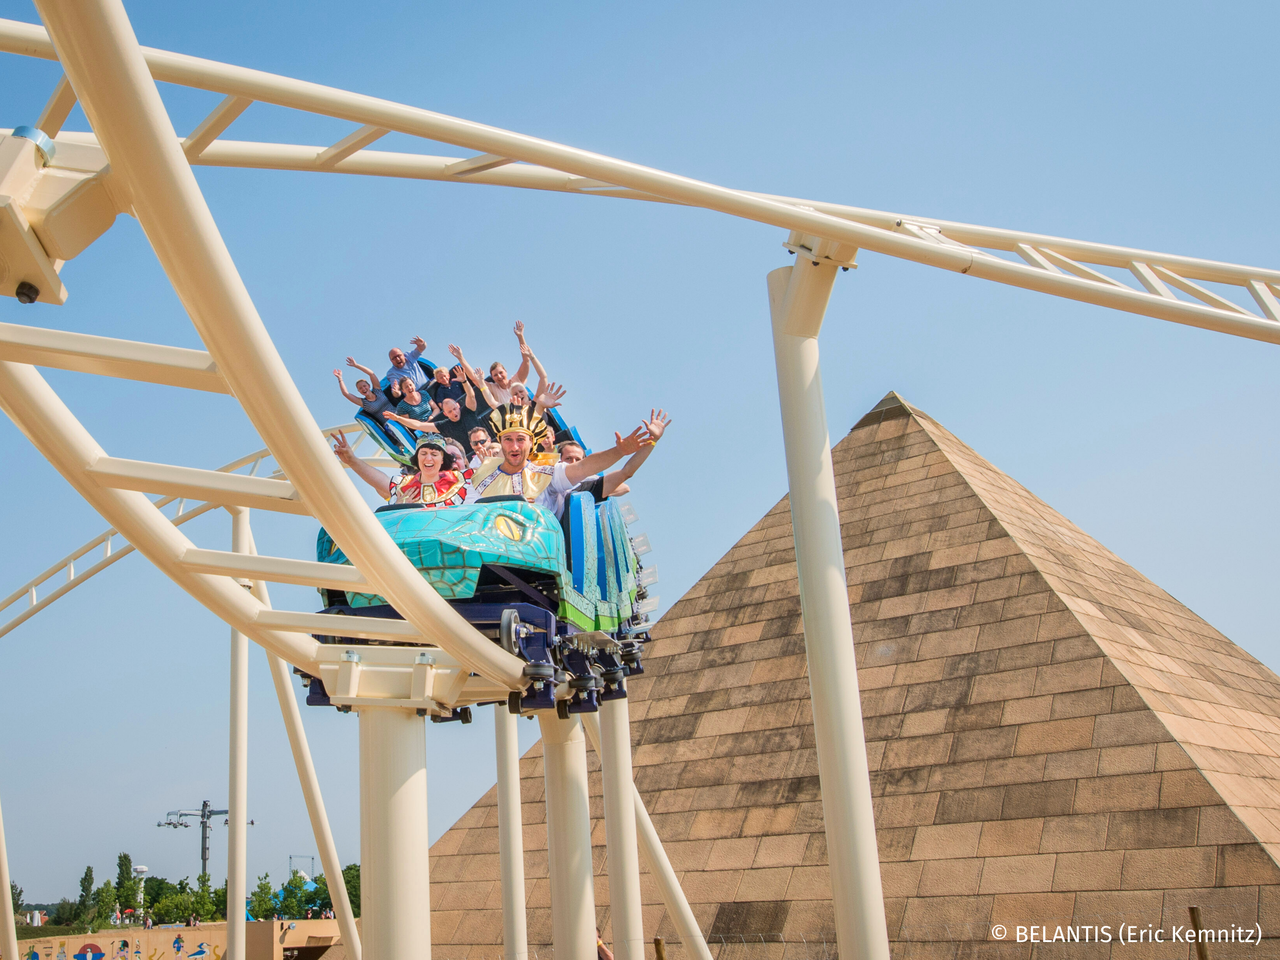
(9, 933)
(310, 783)
(395, 893)
(625, 909)
(573, 901)
(238, 773)
(515, 934)
(798, 298)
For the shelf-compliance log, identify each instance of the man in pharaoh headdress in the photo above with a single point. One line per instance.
(518, 473)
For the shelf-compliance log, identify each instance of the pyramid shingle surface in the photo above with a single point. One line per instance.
(1053, 739)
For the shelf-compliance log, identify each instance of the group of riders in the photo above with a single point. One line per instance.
(514, 449)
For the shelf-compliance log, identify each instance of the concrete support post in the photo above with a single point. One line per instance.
(8, 931)
(573, 901)
(238, 772)
(798, 298)
(395, 893)
(515, 934)
(625, 909)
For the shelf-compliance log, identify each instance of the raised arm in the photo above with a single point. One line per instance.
(370, 475)
(374, 379)
(524, 362)
(615, 480)
(473, 373)
(604, 459)
(548, 398)
(527, 352)
(342, 387)
(420, 425)
(466, 387)
(482, 385)
(419, 345)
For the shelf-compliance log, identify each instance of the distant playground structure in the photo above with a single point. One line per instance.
(562, 632)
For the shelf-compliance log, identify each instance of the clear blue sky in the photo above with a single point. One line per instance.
(1144, 124)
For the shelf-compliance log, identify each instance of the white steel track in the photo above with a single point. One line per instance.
(1050, 265)
(151, 177)
(201, 561)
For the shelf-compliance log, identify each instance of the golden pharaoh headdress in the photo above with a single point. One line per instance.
(509, 418)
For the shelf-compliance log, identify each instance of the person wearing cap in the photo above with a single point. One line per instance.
(520, 429)
(438, 482)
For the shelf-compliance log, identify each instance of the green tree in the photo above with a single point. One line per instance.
(174, 907)
(351, 876)
(262, 902)
(15, 894)
(220, 902)
(66, 913)
(155, 889)
(319, 898)
(202, 900)
(293, 897)
(86, 892)
(124, 870)
(104, 906)
(126, 883)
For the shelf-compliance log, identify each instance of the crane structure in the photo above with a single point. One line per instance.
(205, 815)
(60, 190)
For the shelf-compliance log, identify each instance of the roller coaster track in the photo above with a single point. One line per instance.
(243, 361)
(67, 577)
(150, 176)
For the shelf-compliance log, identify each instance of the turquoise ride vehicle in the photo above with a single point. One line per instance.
(568, 597)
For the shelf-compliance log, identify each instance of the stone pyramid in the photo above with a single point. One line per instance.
(1054, 740)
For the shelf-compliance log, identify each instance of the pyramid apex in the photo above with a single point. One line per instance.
(891, 407)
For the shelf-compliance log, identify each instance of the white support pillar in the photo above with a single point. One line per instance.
(515, 934)
(315, 806)
(310, 783)
(659, 866)
(395, 893)
(798, 298)
(573, 901)
(625, 908)
(238, 772)
(9, 933)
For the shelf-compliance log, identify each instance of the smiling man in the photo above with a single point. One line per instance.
(514, 474)
(406, 364)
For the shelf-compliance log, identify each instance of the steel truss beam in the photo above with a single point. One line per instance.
(930, 242)
(107, 68)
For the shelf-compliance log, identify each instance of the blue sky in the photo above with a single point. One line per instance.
(1141, 124)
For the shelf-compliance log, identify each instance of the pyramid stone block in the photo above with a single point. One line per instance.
(1053, 739)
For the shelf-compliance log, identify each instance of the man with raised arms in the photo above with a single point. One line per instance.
(515, 473)
(406, 364)
(614, 483)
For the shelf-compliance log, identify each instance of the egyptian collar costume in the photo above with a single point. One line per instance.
(491, 481)
(448, 491)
